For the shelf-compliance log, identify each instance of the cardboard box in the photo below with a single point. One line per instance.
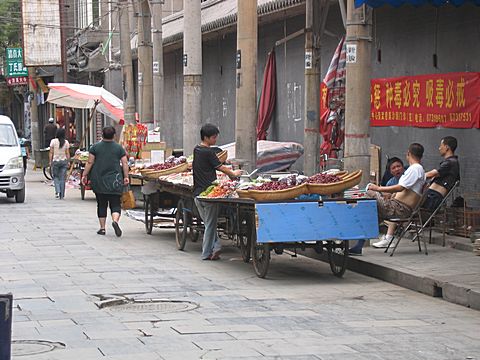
(154, 146)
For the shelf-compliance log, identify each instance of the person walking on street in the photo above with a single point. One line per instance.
(49, 132)
(205, 166)
(59, 157)
(24, 148)
(108, 168)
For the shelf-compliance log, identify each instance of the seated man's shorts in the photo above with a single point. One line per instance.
(389, 208)
(432, 200)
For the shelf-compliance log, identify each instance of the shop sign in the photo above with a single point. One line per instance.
(14, 63)
(17, 81)
(449, 100)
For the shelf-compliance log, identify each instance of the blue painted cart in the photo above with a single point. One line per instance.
(322, 225)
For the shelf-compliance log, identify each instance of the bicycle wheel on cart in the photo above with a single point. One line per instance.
(82, 191)
(337, 256)
(47, 172)
(260, 253)
(182, 224)
(149, 211)
(245, 237)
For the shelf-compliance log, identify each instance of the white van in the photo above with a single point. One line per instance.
(12, 181)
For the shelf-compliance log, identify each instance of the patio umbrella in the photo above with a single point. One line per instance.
(86, 97)
(268, 97)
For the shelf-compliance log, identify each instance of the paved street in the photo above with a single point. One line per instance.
(59, 270)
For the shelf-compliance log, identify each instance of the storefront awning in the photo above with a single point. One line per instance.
(397, 3)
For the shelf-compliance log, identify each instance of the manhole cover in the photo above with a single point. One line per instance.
(153, 306)
(34, 347)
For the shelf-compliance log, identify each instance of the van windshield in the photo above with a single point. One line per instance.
(7, 135)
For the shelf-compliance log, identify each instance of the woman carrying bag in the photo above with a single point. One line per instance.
(108, 168)
(59, 157)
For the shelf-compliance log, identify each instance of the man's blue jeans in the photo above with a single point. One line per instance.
(59, 170)
(209, 214)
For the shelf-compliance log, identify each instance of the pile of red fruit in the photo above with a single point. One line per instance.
(169, 163)
(273, 186)
(323, 179)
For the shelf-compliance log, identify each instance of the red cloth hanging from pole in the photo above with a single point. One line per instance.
(268, 97)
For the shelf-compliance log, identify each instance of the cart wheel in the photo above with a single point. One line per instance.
(182, 222)
(82, 191)
(148, 214)
(260, 255)
(245, 238)
(47, 172)
(338, 256)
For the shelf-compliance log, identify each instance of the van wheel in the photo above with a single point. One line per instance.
(20, 196)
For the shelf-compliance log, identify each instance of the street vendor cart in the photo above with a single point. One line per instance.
(325, 225)
(163, 195)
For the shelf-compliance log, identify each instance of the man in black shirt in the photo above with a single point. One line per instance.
(445, 175)
(205, 166)
(49, 132)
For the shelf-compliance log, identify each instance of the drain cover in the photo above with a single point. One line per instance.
(34, 347)
(153, 306)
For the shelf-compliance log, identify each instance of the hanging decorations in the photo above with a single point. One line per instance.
(134, 137)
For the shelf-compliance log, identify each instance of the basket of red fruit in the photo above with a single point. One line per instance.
(328, 184)
(172, 165)
(287, 188)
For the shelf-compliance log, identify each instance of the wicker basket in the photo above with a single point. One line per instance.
(153, 175)
(277, 195)
(146, 171)
(222, 156)
(348, 181)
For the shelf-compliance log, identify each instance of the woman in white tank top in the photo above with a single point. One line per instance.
(59, 157)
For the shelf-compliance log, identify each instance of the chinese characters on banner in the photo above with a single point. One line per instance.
(14, 63)
(15, 81)
(439, 100)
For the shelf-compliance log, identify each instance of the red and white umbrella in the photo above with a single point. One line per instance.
(86, 97)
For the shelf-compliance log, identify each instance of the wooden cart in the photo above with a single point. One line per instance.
(326, 226)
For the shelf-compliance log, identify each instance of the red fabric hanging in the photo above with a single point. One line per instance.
(268, 97)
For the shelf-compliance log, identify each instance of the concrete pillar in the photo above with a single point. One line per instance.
(357, 98)
(246, 95)
(126, 60)
(36, 128)
(314, 14)
(158, 77)
(192, 75)
(145, 53)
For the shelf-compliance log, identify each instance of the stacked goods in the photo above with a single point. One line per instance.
(221, 189)
(324, 184)
(172, 165)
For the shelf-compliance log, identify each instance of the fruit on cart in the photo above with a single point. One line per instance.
(220, 189)
(169, 163)
(273, 186)
(207, 191)
(323, 179)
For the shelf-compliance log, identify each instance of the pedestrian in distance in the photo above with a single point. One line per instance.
(24, 148)
(49, 132)
(108, 169)
(59, 159)
(205, 166)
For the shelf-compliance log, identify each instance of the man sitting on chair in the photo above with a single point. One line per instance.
(445, 176)
(408, 192)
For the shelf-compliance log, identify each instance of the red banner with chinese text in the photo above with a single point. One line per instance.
(439, 100)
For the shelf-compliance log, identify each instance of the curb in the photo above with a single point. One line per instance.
(450, 291)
